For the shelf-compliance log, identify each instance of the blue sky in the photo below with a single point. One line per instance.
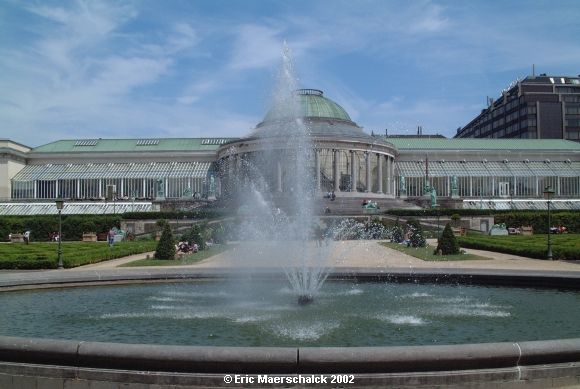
(180, 68)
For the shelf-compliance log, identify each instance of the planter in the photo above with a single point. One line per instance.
(89, 237)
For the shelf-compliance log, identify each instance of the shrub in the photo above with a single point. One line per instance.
(417, 234)
(376, 230)
(348, 229)
(447, 244)
(197, 234)
(397, 233)
(456, 218)
(166, 246)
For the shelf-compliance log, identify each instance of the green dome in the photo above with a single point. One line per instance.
(312, 105)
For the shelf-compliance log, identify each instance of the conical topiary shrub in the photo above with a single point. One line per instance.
(417, 235)
(447, 244)
(166, 246)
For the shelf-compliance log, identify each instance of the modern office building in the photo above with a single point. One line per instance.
(537, 107)
(137, 173)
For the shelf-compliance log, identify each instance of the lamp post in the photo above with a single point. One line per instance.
(59, 206)
(436, 207)
(548, 195)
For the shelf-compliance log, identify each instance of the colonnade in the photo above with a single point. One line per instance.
(378, 171)
(384, 182)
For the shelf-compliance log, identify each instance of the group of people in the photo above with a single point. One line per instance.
(330, 195)
(558, 230)
(370, 204)
(186, 248)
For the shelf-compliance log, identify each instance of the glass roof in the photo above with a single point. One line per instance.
(410, 169)
(481, 169)
(113, 170)
(74, 208)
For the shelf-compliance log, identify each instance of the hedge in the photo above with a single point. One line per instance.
(539, 220)
(565, 246)
(73, 226)
(440, 212)
(42, 226)
(43, 255)
(197, 214)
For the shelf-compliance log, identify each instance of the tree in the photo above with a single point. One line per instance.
(417, 236)
(166, 246)
(447, 244)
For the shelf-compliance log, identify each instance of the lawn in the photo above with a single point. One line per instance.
(565, 246)
(184, 260)
(43, 255)
(426, 253)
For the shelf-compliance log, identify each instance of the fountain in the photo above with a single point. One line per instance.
(284, 224)
(382, 327)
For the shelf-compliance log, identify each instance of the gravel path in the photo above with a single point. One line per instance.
(360, 254)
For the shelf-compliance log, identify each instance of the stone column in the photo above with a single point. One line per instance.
(470, 186)
(353, 171)
(317, 164)
(389, 176)
(393, 179)
(279, 176)
(368, 178)
(336, 170)
(379, 173)
(231, 165)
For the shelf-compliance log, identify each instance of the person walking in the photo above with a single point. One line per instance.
(111, 237)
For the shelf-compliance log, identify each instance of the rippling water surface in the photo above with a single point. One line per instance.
(265, 313)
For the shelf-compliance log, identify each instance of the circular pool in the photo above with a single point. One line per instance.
(264, 312)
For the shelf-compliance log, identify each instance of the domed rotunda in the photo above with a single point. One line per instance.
(342, 157)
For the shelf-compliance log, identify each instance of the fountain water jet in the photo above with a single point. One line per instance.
(279, 207)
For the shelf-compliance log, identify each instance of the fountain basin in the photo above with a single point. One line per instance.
(537, 361)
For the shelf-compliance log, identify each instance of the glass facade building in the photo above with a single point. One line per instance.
(537, 107)
(342, 158)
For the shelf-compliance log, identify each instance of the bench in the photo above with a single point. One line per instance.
(527, 230)
(459, 231)
(17, 238)
(89, 237)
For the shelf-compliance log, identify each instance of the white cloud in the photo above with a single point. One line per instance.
(256, 46)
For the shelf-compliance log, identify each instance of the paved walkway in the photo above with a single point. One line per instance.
(356, 254)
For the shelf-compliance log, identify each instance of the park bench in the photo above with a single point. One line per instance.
(16, 238)
(527, 230)
(89, 237)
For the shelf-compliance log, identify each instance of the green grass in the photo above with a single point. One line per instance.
(426, 253)
(43, 255)
(185, 260)
(566, 246)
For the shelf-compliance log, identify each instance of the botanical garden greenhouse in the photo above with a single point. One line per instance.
(137, 174)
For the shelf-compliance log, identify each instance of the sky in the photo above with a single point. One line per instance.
(207, 68)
